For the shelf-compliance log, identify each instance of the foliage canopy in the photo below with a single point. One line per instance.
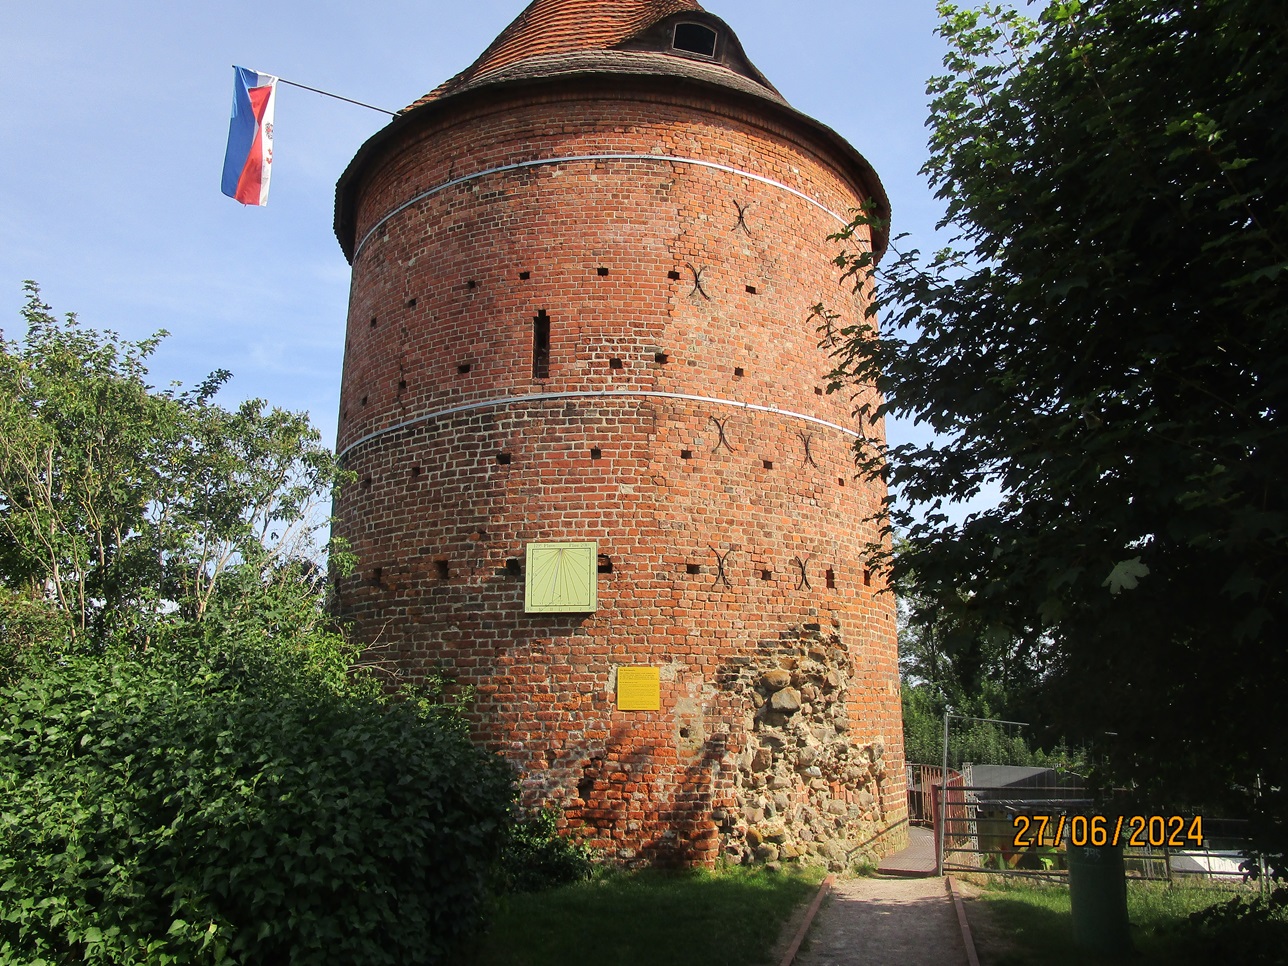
(192, 768)
(1104, 343)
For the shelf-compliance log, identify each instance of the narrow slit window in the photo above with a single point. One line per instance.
(377, 577)
(374, 321)
(541, 346)
(830, 577)
(867, 578)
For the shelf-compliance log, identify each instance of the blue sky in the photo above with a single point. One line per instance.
(115, 117)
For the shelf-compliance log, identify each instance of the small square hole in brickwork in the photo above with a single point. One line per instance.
(867, 578)
(374, 321)
(661, 358)
(604, 564)
(766, 575)
(738, 372)
(768, 464)
(402, 385)
(601, 271)
(686, 454)
(830, 577)
(596, 453)
(366, 482)
(471, 284)
(673, 276)
(363, 400)
(503, 459)
(684, 732)
(443, 569)
(463, 369)
(840, 481)
(513, 568)
(615, 363)
(524, 276)
(693, 568)
(818, 390)
(377, 576)
(416, 471)
(751, 290)
(411, 303)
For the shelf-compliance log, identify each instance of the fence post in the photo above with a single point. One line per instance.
(943, 802)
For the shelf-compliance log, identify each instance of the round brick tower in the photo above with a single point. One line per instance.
(599, 476)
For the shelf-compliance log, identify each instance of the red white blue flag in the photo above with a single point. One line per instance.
(249, 159)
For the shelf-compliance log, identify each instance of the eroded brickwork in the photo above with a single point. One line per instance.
(681, 423)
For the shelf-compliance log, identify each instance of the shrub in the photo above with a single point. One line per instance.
(537, 857)
(236, 806)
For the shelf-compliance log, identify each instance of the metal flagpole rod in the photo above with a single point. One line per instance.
(348, 100)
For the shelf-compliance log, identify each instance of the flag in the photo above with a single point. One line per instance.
(249, 159)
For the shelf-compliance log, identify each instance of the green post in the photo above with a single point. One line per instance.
(1098, 897)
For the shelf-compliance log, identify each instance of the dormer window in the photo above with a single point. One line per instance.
(695, 38)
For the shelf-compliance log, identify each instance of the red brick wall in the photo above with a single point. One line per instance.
(438, 288)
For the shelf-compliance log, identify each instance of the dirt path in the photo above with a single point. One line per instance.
(886, 921)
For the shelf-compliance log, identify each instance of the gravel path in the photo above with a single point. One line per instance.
(885, 921)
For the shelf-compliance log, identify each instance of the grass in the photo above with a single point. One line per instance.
(1035, 919)
(729, 918)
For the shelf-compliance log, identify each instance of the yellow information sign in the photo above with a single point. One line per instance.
(639, 689)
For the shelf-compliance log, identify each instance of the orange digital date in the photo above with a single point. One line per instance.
(1136, 831)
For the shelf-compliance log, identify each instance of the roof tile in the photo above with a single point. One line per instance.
(562, 26)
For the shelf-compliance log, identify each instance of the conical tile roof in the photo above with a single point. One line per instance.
(563, 27)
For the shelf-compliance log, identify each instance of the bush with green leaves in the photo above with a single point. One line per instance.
(537, 857)
(226, 800)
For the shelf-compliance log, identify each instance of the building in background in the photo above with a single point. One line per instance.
(599, 476)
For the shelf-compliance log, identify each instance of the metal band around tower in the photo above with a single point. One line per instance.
(499, 401)
(539, 162)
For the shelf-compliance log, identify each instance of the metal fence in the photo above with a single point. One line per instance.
(1025, 825)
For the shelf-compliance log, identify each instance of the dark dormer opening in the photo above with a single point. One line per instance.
(695, 38)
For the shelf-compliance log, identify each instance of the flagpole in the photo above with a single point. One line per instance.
(348, 100)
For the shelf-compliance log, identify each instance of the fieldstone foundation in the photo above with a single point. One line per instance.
(805, 788)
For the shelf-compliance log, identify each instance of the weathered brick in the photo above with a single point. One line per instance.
(438, 496)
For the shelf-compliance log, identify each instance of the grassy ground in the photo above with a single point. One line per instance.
(732, 918)
(1029, 924)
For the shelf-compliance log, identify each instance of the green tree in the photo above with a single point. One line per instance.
(122, 505)
(194, 767)
(1104, 343)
